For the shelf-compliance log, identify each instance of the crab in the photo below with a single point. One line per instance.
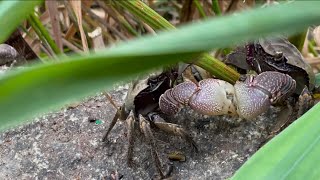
(140, 108)
(250, 97)
(16, 51)
(10, 56)
(278, 54)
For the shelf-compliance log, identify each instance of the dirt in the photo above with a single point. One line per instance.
(67, 145)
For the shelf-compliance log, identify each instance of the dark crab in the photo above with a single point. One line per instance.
(278, 54)
(15, 51)
(9, 56)
(140, 109)
(274, 54)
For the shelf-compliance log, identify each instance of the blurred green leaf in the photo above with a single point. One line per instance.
(43, 33)
(158, 23)
(25, 93)
(12, 13)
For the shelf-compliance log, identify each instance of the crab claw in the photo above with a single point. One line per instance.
(213, 98)
(210, 97)
(257, 93)
(251, 101)
(279, 85)
(170, 102)
(247, 99)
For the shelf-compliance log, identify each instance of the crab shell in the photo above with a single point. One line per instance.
(246, 99)
(8, 54)
(273, 46)
(143, 94)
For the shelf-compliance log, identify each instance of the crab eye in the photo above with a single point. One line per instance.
(278, 55)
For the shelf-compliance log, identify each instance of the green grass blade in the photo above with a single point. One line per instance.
(12, 13)
(200, 8)
(40, 88)
(253, 24)
(147, 14)
(249, 25)
(294, 154)
(43, 33)
(48, 86)
(158, 23)
(216, 7)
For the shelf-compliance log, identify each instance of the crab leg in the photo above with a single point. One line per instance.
(145, 127)
(173, 129)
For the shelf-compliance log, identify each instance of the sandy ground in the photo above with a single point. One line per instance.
(67, 145)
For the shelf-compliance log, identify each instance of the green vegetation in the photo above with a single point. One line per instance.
(294, 154)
